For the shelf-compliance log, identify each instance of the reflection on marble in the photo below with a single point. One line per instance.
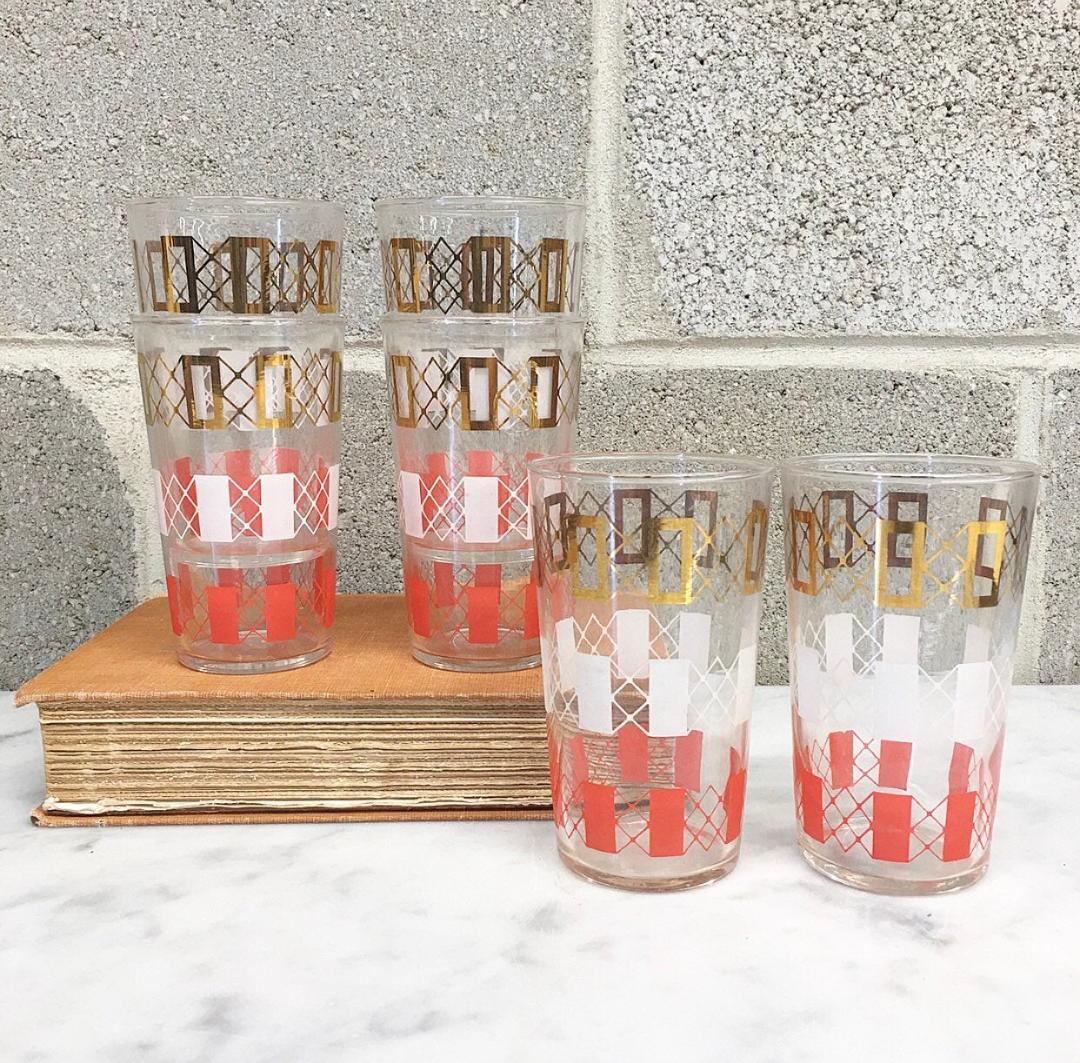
(470, 941)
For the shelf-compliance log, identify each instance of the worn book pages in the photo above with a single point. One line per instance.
(131, 735)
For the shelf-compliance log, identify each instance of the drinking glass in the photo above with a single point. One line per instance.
(486, 255)
(650, 574)
(240, 355)
(483, 351)
(905, 576)
(236, 255)
(244, 431)
(472, 400)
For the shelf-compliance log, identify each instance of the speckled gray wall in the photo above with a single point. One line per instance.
(884, 167)
(813, 224)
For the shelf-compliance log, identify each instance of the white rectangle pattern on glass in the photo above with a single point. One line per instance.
(412, 510)
(545, 396)
(479, 396)
(694, 633)
(900, 639)
(593, 687)
(972, 704)
(632, 642)
(896, 701)
(278, 507)
(275, 402)
(566, 651)
(839, 648)
(669, 697)
(402, 405)
(481, 509)
(333, 492)
(202, 392)
(215, 512)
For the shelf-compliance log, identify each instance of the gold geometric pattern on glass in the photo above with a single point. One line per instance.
(220, 388)
(202, 381)
(754, 560)
(483, 275)
(479, 391)
(913, 566)
(239, 275)
(587, 539)
(851, 546)
(268, 412)
(678, 532)
(803, 537)
(669, 552)
(976, 569)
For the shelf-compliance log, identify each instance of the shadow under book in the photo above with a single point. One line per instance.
(131, 736)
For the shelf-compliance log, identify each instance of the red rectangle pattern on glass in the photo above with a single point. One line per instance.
(891, 825)
(842, 759)
(959, 824)
(894, 763)
(813, 818)
(633, 754)
(483, 611)
(223, 606)
(667, 822)
(416, 599)
(280, 612)
(599, 813)
(688, 760)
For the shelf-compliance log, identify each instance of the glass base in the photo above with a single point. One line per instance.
(651, 885)
(271, 664)
(461, 664)
(884, 884)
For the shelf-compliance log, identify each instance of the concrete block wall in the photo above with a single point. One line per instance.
(814, 225)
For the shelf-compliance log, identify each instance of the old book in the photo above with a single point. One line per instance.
(132, 736)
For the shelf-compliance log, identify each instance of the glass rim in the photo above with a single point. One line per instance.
(973, 469)
(481, 204)
(217, 318)
(493, 322)
(726, 468)
(222, 206)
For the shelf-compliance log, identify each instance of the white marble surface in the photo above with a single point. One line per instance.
(470, 941)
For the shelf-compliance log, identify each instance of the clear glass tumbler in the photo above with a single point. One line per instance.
(237, 255)
(240, 360)
(650, 575)
(905, 576)
(472, 400)
(453, 255)
(244, 430)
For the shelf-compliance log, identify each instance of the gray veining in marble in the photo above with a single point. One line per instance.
(470, 941)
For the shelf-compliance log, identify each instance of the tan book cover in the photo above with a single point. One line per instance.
(131, 736)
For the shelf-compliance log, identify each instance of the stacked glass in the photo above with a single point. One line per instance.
(239, 351)
(483, 361)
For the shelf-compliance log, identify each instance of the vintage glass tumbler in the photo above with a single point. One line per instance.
(472, 400)
(905, 576)
(650, 570)
(239, 356)
(485, 255)
(244, 441)
(483, 347)
(212, 255)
